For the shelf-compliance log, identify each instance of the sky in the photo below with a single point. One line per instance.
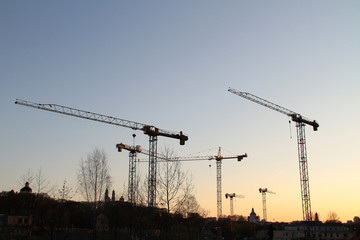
(170, 64)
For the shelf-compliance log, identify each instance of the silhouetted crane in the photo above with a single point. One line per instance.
(300, 126)
(151, 131)
(217, 158)
(231, 196)
(263, 192)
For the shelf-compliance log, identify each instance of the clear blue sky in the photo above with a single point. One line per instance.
(170, 64)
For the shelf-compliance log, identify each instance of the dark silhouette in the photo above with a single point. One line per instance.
(38, 216)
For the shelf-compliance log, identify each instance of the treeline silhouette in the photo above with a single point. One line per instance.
(48, 218)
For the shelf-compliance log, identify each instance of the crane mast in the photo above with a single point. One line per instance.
(132, 185)
(151, 131)
(231, 196)
(218, 184)
(302, 154)
(133, 151)
(263, 192)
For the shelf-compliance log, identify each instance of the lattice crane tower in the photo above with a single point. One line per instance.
(263, 192)
(300, 127)
(231, 196)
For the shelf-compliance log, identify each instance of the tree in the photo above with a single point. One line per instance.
(316, 217)
(65, 192)
(42, 184)
(141, 190)
(174, 185)
(333, 217)
(39, 183)
(94, 176)
(27, 177)
(189, 206)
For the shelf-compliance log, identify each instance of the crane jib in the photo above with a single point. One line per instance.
(294, 116)
(147, 129)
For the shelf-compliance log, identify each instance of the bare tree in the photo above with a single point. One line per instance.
(42, 184)
(174, 185)
(333, 217)
(26, 177)
(191, 205)
(65, 192)
(39, 183)
(94, 176)
(141, 190)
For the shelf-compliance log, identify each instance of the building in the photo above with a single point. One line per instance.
(19, 221)
(107, 198)
(253, 218)
(321, 232)
(26, 189)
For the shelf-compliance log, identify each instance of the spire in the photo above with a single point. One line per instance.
(113, 196)
(107, 199)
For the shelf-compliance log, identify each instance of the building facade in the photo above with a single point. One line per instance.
(320, 232)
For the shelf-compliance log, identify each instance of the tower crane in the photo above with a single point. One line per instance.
(133, 151)
(301, 142)
(218, 158)
(151, 131)
(231, 196)
(263, 192)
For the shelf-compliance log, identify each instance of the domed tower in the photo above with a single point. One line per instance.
(253, 218)
(26, 189)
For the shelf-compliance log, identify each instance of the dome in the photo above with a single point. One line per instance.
(26, 189)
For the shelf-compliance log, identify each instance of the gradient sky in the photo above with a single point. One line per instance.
(169, 64)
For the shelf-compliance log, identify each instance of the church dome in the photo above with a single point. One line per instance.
(26, 189)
